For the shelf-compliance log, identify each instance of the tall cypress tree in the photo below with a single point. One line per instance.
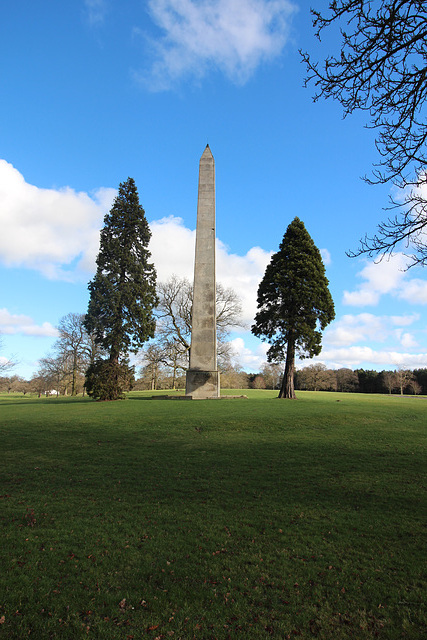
(294, 302)
(123, 290)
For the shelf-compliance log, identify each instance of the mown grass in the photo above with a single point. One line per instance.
(213, 519)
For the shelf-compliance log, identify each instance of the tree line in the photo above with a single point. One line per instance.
(64, 374)
(317, 377)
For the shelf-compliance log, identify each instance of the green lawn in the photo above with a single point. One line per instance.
(240, 518)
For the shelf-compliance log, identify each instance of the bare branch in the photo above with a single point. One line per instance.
(382, 70)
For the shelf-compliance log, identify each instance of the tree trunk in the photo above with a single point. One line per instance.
(174, 376)
(287, 389)
(74, 376)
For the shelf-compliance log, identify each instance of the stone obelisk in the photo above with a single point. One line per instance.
(203, 376)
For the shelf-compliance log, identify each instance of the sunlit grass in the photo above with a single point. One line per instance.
(213, 519)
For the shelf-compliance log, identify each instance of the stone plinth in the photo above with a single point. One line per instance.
(202, 384)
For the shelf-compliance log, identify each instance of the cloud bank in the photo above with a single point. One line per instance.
(357, 357)
(230, 36)
(54, 231)
(387, 277)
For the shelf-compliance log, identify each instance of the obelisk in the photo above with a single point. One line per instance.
(203, 376)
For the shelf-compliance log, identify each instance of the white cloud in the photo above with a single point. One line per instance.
(351, 329)
(326, 256)
(172, 248)
(243, 274)
(414, 291)
(366, 357)
(11, 324)
(233, 36)
(387, 277)
(365, 327)
(95, 11)
(361, 298)
(407, 341)
(54, 231)
(379, 278)
(249, 359)
(405, 321)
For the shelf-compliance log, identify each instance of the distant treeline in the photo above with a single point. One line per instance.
(314, 377)
(403, 381)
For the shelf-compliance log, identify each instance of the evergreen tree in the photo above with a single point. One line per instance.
(123, 291)
(294, 302)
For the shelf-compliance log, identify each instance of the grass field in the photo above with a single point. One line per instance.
(221, 519)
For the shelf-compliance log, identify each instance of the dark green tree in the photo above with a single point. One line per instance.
(122, 292)
(294, 303)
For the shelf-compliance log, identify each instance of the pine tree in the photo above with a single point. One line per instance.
(294, 302)
(123, 290)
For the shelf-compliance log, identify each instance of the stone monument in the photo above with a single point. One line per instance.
(202, 379)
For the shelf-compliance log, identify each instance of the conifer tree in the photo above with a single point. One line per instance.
(122, 292)
(294, 303)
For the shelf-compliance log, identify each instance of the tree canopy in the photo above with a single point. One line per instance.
(294, 302)
(123, 290)
(381, 68)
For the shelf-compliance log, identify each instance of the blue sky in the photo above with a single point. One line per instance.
(94, 91)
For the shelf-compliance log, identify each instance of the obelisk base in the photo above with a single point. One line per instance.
(202, 384)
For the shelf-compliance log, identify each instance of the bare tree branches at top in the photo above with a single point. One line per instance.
(382, 70)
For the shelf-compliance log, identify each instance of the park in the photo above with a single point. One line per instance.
(220, 519)
(294, 509)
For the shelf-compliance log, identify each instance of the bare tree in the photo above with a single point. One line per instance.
(317, 377)
(259, 382)
(272, 374)
(234, 378)
(173, 321)
(75, 348)
(173, 315)
(404, 377)
(6, 364)
(414, 386)
(381, 68)
(153, 360)
(390, 380)
(71, 344)
(38, 384)
(18, 384)
(53, 373)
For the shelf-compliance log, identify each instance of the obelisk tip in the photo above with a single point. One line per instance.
(207, 153)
